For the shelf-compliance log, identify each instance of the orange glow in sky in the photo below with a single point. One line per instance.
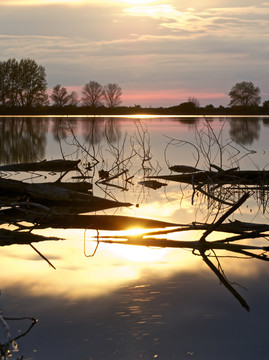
(157, 96)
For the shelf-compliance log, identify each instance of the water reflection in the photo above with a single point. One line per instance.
(60, 127)
(22, 139)
(245, 130)
(25, 139)
(174, 317)
(147, 307)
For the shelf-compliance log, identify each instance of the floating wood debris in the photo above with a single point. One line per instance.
(98, 222)
(152, 184)
(51, 195)
(244, 177)
(8, 237)
(183, 169)
(58, 165)
(30, 206)
(206, 248)
(80, 186)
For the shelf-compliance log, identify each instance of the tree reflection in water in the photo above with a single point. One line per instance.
(245, 130)
(101, 146)
(22, 139)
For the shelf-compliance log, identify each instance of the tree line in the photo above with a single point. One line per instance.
(23, 86)
(93, 95)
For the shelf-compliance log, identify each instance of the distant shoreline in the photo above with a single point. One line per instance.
(135, 110)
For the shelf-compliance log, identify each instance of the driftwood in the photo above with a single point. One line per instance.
(206, 248)
(8, 237)
(243, 177)
(51, 195)
(152, 184)
(44, 217)
(80, 186)
(183, 169)
(48, 205)
(59, 165)
(192, 245)
(99, 222)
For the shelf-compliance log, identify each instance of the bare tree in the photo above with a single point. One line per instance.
(92, 94)
(112, 95)
(60, 96)
(73, 99)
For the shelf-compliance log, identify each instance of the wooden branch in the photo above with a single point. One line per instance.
(224, 216)
(42, 256)
(225, 282)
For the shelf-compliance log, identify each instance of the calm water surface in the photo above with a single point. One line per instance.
(131, 303)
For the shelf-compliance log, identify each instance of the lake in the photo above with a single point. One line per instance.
(134, 302)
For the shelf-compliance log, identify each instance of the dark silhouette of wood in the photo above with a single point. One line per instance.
(59, 165)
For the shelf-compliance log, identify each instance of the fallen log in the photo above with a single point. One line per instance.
(8, 237)
(183, 169)
(58, 165)
(80, 186)
(183, 244)
(152, 184)
(244, 177)
(99, 222)
(51, 195)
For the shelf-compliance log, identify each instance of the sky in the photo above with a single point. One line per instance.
(161, 52)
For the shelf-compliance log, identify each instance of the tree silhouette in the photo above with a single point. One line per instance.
(59, 96)
(92, 94)
(73, 99)
(245, 94)
(112, 95)
(22, 84)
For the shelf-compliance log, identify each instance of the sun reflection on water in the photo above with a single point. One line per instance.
(138, 253)
(113, 266)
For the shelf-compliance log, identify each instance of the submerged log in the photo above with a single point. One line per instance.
(183, 169)
(152, 184)
(59, 165)
(100, 222)
(52, 195)
(80, 186)
(8, 237)
(244, 177)
(183, 244)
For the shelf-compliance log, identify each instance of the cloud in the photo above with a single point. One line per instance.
(160, 45)
(144, 63)
(219, 21)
